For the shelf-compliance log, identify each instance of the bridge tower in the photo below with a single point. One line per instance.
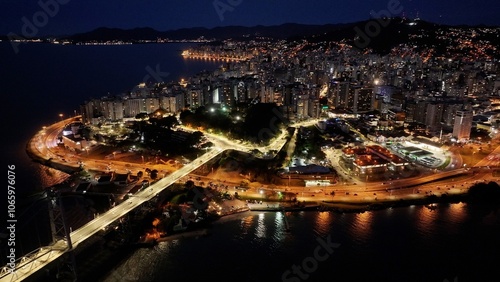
(59, 229)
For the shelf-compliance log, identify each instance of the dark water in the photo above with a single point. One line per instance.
(405, 244)
(44, 80)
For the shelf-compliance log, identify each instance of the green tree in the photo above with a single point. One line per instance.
(185, 114)
(141, 116)
(154, 174)
(189, 184)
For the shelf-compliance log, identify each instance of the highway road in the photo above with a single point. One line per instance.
(40, 259)
(25, 269)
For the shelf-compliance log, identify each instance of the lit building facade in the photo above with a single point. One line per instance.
(463, 125)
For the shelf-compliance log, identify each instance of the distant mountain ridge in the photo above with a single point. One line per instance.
(379, 35)
(279, 32)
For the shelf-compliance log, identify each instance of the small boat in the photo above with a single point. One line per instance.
(432, 206)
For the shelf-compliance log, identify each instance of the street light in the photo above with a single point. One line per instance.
(61, 116)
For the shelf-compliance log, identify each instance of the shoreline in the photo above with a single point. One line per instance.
(348, 204)
(343, 207)
(339, 205)
(360, 206)
(186, 234)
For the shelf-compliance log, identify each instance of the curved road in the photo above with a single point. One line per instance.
(27, 266)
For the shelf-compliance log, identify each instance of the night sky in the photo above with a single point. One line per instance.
(84, 15)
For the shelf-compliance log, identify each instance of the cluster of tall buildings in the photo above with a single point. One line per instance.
(441, 94)
(142, 99)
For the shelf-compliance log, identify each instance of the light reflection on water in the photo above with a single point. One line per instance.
(280, 228)
(453, 215)
(442, 217)
(362, 224)
(425, 220)
(49, 176)
(142, 264)
(255, 245)
(279, 220)
(323, 223)
(457, 211)
(246, 224)
(260, 230)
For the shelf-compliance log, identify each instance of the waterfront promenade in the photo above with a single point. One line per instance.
(43, 257)
(41, 148)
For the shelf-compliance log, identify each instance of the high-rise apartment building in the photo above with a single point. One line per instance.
(463, 125)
